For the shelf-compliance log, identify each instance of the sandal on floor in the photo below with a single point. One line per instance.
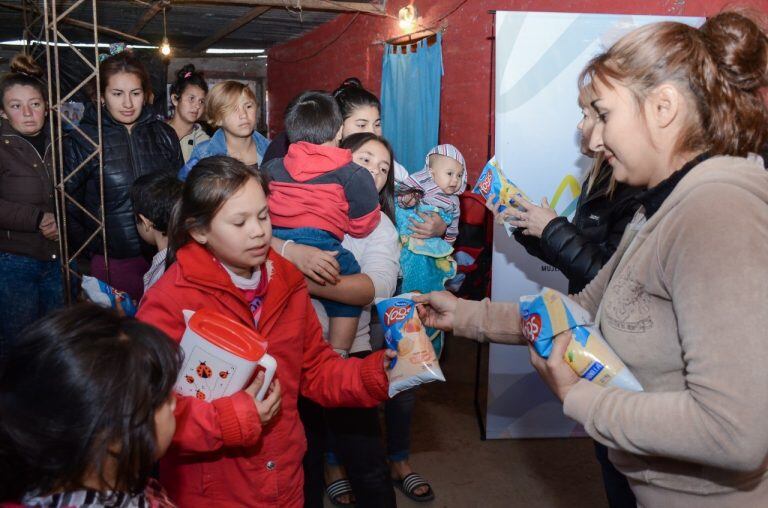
(337, 489)
(410, 483)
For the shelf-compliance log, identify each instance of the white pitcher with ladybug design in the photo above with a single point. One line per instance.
(221, 357)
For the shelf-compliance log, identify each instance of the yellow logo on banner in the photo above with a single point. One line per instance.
(568, 182)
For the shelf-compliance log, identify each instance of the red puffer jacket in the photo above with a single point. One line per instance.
(220, 455)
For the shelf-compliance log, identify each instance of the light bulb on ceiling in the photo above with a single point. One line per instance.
(165, 46)
(407, 17)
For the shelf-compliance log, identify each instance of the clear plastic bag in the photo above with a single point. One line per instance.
(101, 293)
(550, 313)
(416, 362)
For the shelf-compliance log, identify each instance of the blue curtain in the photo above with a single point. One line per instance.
(410, 100)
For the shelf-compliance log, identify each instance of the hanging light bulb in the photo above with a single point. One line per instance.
(165, 46)
(407, 17)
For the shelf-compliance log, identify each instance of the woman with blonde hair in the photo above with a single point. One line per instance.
(233, 108)
(682, 300)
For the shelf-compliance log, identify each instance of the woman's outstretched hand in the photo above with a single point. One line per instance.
(558, 375)
(437, 309)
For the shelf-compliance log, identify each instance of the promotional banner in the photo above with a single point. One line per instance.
(538, 59)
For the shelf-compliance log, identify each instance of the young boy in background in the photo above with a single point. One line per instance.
(154, 196)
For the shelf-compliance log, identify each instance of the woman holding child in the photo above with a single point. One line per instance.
(360, 111)
(679, 113)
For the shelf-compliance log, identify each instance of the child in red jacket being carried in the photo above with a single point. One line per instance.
(317, 195)
(237, 451)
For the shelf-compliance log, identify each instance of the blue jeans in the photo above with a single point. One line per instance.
(29, 289)
(348, 265)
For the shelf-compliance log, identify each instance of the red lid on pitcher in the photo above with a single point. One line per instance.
(228, 334)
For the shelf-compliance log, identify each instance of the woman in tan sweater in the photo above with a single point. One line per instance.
(683, 300)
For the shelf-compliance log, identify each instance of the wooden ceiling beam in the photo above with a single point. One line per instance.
(151, 12)
(308, 5)
(235, 25)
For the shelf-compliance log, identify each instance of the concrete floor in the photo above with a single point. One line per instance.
(467, 472)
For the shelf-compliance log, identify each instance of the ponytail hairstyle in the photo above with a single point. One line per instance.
(209, 185)
(387, 195)
(24, 72)
(351, 95)
(187, 76)
(719, 68)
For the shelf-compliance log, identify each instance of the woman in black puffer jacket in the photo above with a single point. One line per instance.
(134, 143)
(579, 249)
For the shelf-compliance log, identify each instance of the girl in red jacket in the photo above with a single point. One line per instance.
(237, 451)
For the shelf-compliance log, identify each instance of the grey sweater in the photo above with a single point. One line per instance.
(682, 302)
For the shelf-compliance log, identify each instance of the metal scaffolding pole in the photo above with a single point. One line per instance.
(54, 39)
(33, 28)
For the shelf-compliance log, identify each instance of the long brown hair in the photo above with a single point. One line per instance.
(209, 185)
(719, 67)
(387, 195)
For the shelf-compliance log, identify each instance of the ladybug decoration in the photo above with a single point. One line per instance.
(200, 395)
(190, 379)
(204, 371)
(223, 374)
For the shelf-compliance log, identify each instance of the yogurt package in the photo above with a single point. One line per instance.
(493, 181)
(549, 313)
(416, 362)
(101, 293)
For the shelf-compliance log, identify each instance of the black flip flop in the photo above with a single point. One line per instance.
(339, 488)
(410, 483)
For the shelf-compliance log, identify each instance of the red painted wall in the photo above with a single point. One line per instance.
(309, 62)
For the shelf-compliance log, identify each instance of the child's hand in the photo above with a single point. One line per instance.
(389, 355)
(409, 200)
(270, 406)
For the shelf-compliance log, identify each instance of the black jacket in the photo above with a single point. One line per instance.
(150, 146)
(579, 249)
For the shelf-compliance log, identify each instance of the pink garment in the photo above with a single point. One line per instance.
(125, 274)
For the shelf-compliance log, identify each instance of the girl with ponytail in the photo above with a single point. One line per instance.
(188, 98)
